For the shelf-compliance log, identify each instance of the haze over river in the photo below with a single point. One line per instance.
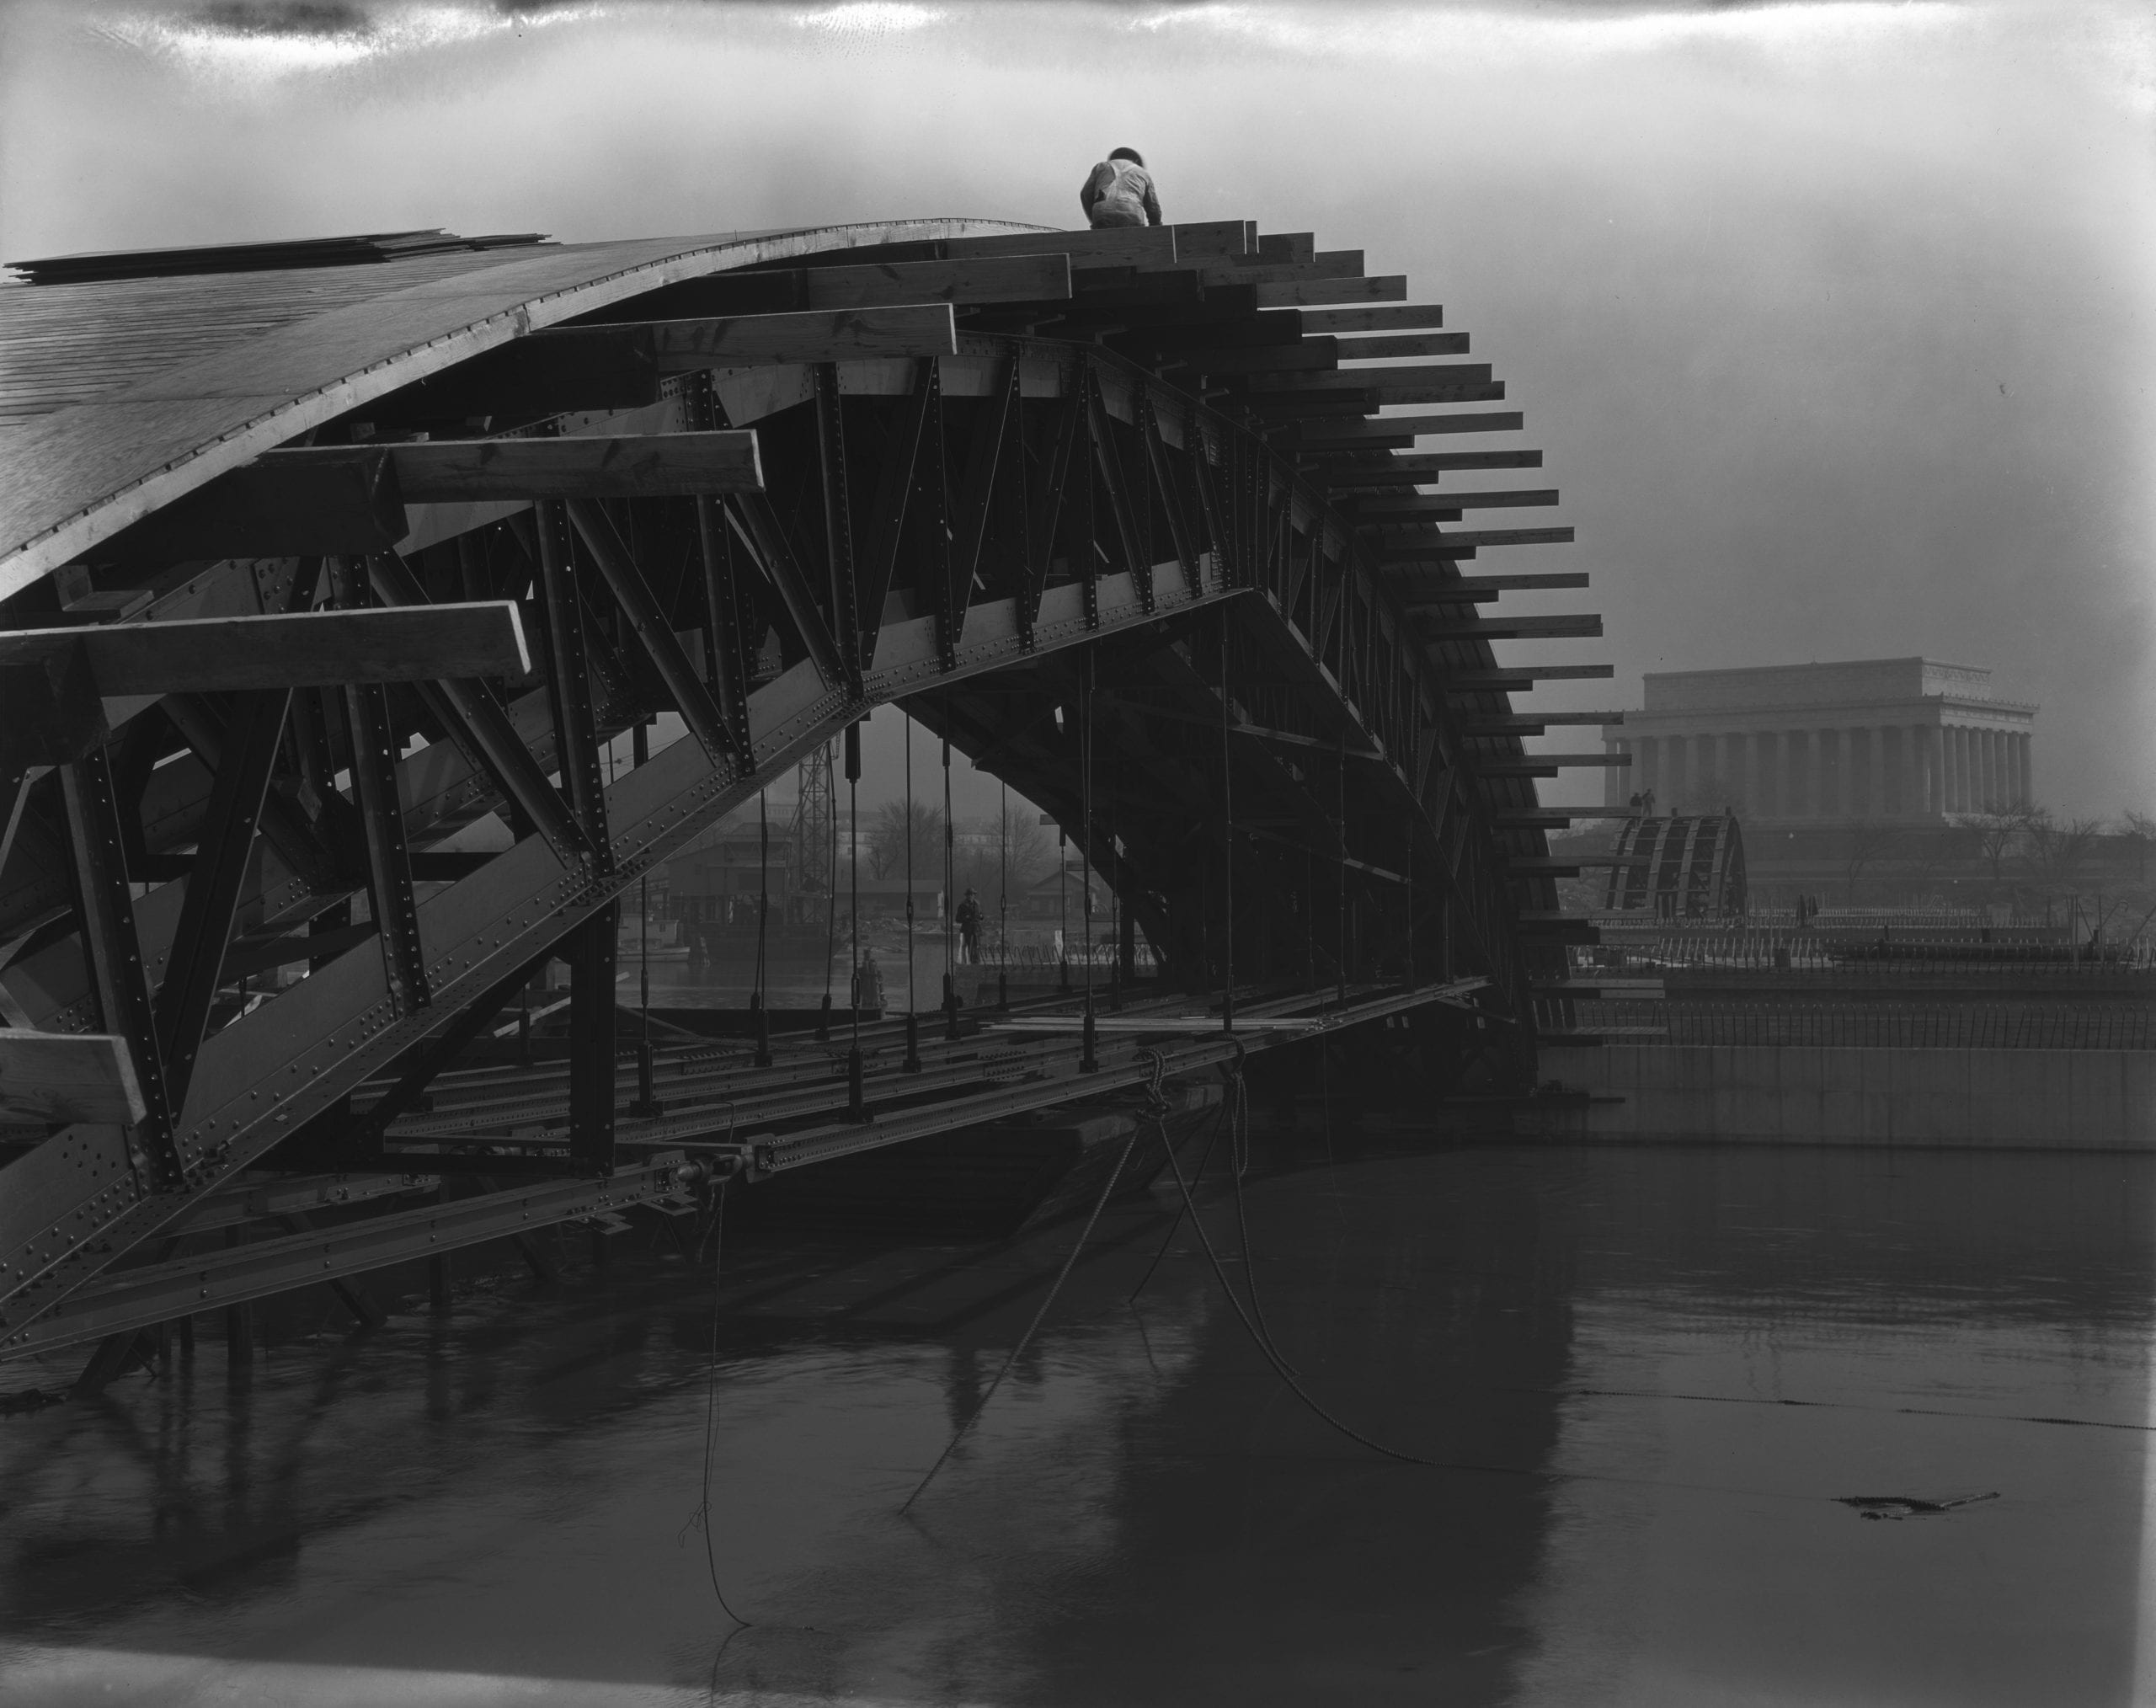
(1651, 1378)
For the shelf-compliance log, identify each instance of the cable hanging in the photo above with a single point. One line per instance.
(831, 895)
(1107, 1190)
(912, 1063)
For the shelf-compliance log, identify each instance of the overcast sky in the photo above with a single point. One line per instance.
(1835, 321)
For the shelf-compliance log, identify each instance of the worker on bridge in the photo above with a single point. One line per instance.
(1119, 192)
(968, 919)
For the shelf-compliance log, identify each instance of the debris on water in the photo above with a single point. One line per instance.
(1907, 1506)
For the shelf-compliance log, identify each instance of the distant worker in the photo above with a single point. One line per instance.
(1119, 192)
(969, 922)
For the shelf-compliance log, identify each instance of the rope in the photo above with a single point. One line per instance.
(700, 1519)
(1238, 1153)
(1062, 1275)
(1281, 1368)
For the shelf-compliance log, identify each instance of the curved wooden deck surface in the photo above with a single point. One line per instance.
(118, 397)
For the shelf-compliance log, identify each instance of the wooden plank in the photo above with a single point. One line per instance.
(303, 649)
(1121, 246)
(1411, 504)
(1288, 249)
(1215, 237)
(476, 471)
(1584, 626)
(1422, 468)
(341, 501)
(1514, 676)
(1570, 578)
(1505, 536)
(1420, 343)
(1389, 317)
(1391, 287)
(645, 465)
(1547, 764)
(750, 340)
(1535, 722)
(1023, 278)
(1350, 433)
(1377, 378)
(61, 1076)
(50, 712)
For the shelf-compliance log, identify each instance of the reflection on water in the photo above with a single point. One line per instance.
(1650, 1375)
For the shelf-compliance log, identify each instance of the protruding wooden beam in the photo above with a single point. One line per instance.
(51, 711)
(750, 340)
(1342, 435)
(1040, 277)
(1547, 764)
(1112, 246)
(474, 471)
(1383, 504)
(1024, 278)
(1533, 722)
(1508, 583)
(58, 1077)
(1514, 677)
(1383, 380)
(1389, 347)
(1390, 287)
(1389, 317)
(307, 649)
(1421, 468)
(1439, 544)
(1585, 625)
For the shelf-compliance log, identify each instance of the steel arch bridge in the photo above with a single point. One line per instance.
(312, 556)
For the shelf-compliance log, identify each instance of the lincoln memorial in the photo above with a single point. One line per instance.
(1900, 738)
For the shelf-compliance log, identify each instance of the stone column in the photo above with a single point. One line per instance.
(2028, 768)
(1828, 771)
(1863, 786)
(1677, 768)
(1766, 757)
(1981, 793)
(1613, 790)
(1796, 796)
(1957, 769)
(1924, 769)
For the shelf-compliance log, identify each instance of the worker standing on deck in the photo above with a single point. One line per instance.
(1119, 192)
(968, 919)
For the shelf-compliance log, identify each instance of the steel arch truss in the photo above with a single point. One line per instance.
(999, 538)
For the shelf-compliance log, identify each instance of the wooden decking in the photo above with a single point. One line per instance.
(118, 397)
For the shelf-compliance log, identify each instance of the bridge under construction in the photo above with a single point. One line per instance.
(318, 559)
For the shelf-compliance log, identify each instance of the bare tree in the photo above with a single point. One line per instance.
(1865, 844)
(2000, 829)
(2059, 853)
(985, 868)
(895, 828)
(2138, 830)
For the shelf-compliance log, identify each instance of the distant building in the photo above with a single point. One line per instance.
(1905, 740)
(720, 876)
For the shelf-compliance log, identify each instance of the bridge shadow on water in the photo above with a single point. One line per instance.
(1651, 1380)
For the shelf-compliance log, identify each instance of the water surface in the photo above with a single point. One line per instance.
(1648, 1379)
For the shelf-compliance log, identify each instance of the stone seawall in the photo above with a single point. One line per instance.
(2064, 1099)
